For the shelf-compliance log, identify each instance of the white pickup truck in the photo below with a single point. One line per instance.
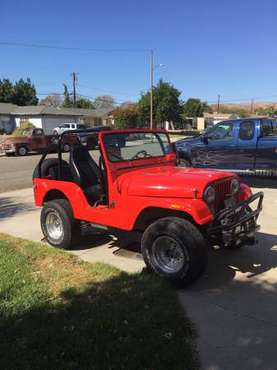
(67, 127)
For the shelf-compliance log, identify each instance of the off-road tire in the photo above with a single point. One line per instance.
(189, 239)
(22, 151)
(70, 226)
(47, 165)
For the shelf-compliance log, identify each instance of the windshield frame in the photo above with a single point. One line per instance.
(138, 131)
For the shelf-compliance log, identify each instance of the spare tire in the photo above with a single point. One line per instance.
(50, 167)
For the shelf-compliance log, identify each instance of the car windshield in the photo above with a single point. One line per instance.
(81, 126)
(220, 131)
(26, 132)
(136, 145)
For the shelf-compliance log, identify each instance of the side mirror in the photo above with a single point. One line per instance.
(204, 139)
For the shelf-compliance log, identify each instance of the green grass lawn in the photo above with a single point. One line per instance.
(57, 312)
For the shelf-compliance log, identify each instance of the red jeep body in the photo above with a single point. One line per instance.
(145, 189)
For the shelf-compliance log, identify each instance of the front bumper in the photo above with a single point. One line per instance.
(237, 225)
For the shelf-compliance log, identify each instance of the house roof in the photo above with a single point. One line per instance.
(6, 108)
(38, 110)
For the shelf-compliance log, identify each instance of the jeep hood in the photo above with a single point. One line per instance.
(169, 181)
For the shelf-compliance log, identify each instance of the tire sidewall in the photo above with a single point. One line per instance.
(44, 229)
(188, 238)
(63, 209)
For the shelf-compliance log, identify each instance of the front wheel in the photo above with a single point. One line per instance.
(22, 151)
(58, 224)
(175, 249)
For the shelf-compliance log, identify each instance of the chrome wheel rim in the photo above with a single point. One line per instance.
(66, 148)
(54, 226)
(169, 255)
(22, 151)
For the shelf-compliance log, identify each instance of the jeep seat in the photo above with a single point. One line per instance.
(86, 173)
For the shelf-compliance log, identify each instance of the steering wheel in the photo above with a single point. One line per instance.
(141, 154)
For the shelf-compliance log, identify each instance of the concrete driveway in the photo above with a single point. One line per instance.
(233, 304)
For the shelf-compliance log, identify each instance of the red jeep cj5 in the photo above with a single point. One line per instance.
(137, 185)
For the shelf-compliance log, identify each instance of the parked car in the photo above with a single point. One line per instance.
(67, 127)
(244, 145)
(32, 140)
(138, 186)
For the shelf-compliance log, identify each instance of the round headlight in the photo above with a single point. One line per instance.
(234, 186)
(209, 194)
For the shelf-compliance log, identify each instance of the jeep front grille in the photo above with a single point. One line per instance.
(222, 190)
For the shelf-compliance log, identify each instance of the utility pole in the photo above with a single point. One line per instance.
(218, 103)
(74, 80)
(151, 86)
(252, 106)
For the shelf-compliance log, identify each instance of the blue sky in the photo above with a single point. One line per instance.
(208, 47)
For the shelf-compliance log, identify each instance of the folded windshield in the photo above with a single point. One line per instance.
(136, 145)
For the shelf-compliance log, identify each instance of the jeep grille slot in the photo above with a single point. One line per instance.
(222, 190)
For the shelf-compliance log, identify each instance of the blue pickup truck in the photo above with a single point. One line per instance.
(243, 145)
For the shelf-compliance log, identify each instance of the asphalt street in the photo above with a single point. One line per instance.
(16, 173)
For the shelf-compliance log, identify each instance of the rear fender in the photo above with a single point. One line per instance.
(70, 191)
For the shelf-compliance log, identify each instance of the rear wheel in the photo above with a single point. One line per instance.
(175, 249)
(22, 151)
(66, 148)
(58, 224)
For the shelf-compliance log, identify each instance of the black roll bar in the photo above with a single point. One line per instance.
(58, 146)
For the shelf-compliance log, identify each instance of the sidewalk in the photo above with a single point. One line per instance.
(19, 217)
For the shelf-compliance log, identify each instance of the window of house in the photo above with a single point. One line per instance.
(247, 130)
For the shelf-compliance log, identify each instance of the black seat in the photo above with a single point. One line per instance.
(86, 173)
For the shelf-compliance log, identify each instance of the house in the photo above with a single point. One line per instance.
(47, 118)
(7, 121)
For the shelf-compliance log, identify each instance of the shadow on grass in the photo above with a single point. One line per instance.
(9, 208)
(127, 322)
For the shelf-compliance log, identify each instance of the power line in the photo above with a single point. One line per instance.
(57, 47)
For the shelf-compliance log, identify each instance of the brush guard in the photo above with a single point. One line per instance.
(238, 224)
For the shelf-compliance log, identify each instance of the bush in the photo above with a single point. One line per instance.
(126, 118)
(23, 126)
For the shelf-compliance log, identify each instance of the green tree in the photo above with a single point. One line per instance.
(54, 100)
(104, 102)
(126, 117)
(84, 103)
(166, 104)
(67, 102)
(6, 91)
(24, 93)
(194, 108)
